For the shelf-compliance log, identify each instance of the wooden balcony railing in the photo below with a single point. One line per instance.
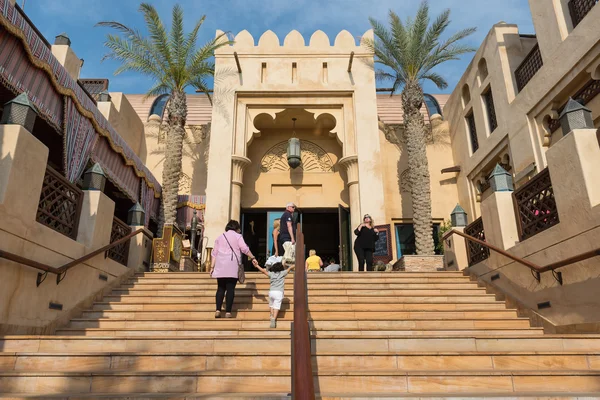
(579, 9)
(60, 204)
(529, 67)
(119, 230)
(536, 206)
(302, 375)
(60, 272)
(475, 251)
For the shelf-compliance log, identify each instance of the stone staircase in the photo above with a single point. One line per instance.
(419, 335)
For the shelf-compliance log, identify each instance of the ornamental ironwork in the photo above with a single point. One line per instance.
(529, 67)
(60, 204)
(579, 9)
(536, 206)
(314, 158)
(119, 253)
(476, 252)
(94, 86)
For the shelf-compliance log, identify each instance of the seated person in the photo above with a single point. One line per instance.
(313, 262)
(332, 267)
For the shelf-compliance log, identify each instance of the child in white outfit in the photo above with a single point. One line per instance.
(276, 274)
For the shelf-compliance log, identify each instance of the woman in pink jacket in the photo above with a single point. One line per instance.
(225, 264)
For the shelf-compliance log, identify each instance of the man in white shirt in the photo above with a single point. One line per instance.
(332, 267)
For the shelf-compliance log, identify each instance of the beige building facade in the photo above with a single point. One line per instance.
(322, 91)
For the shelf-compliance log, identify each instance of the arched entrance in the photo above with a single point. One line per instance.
(318, 186)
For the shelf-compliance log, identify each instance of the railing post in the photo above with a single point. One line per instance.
(303, 381)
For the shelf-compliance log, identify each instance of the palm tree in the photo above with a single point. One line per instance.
(411, 50)
(174, 62)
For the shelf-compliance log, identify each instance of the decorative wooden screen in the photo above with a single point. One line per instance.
(536, 207)
(119, 253)
(529, 67)
(579, 9)
(60, 204)
(472, 132)
(476, 252)
(491, 110)
(94, 86)
(584, 96)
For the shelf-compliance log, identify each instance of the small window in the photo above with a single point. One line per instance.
(470, 119)
(159, 105)
(488, 99)
(405, 239)
(433, 107)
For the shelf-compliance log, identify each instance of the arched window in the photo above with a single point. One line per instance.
(466, 95)
(483, 70)
(159, 105)
(433, 107)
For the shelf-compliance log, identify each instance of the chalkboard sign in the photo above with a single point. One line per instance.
(383, 246)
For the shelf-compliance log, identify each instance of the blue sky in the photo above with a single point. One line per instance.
(78, 17)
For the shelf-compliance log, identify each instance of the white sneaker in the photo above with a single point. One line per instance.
(273, 323)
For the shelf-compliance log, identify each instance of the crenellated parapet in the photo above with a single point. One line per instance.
(269, 42)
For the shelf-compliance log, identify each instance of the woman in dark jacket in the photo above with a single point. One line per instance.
(364, 245)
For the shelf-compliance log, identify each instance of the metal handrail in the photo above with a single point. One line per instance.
(536, 270)
(303, 387)
(60, 272)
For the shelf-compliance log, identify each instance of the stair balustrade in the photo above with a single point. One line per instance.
(302, 376)
(60, 272)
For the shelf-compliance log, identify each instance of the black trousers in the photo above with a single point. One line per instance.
(226, 285)
(364, 255)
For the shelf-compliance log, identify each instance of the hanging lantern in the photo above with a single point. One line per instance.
(294, 151)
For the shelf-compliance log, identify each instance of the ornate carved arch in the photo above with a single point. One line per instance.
(314, 158)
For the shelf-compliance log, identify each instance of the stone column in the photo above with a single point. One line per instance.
(239, 164)
(455, 246)
(95, 221)
(350, 165)
(498, 215)
(140, 249)
(574, 164)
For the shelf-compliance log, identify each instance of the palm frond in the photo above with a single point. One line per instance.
(158, 33)
(192, 39)
(177, 44)
(437, 79)
(431, 39)
(411, 49)
(417, 34)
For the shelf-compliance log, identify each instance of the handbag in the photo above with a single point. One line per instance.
(241, 272)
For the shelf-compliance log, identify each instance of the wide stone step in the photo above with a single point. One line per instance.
(264, 306)
(331, 324)
(283, 330)
(314, 315)
(330, 279)
(471, 383)
(242, 298)
(75, 344)
(311, 286)
(311, 292)
(323, 343)
(97, 362)
(325, 275)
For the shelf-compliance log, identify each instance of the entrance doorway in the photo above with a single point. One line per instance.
(322, 228)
